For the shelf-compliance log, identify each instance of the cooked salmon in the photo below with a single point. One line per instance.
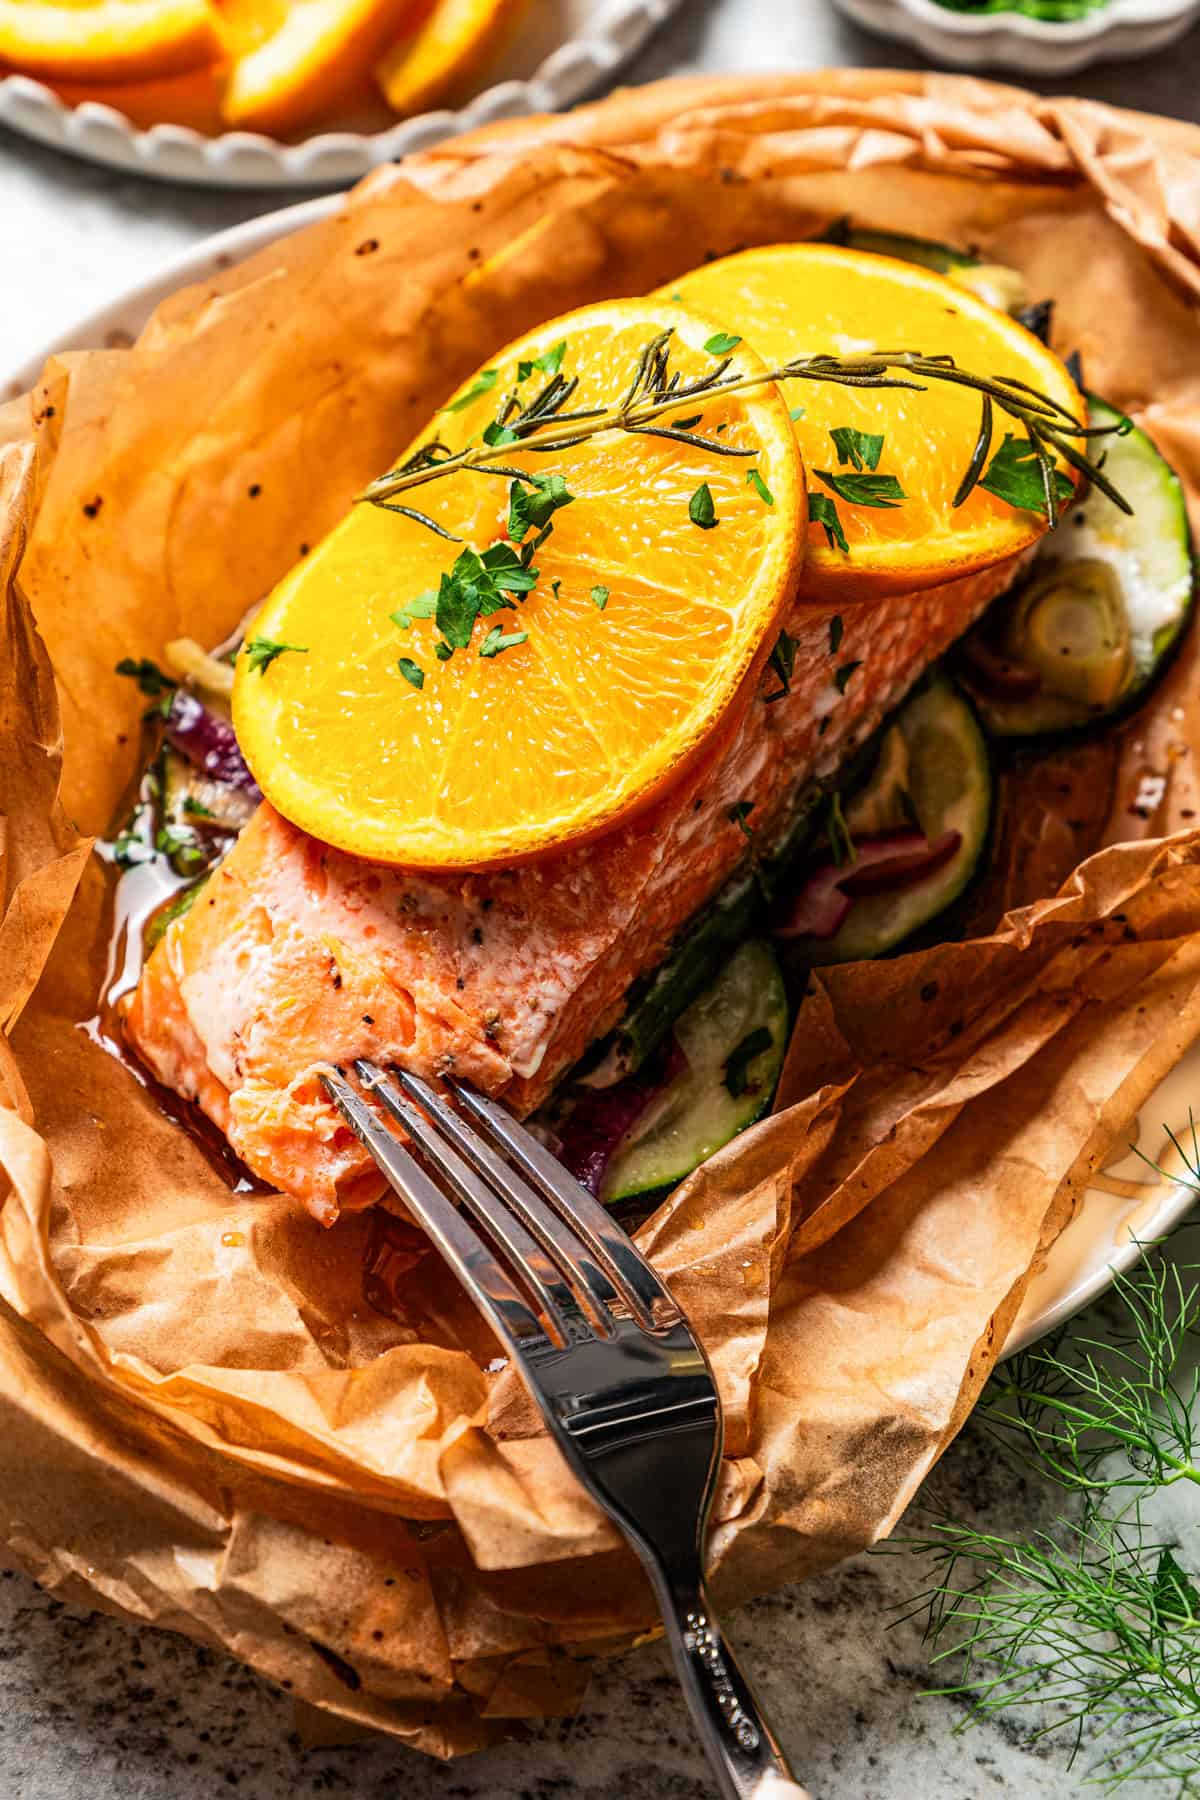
(296, 956)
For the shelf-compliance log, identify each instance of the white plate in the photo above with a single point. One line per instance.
(570, 48)
(1010, 40)
(1109, 1228)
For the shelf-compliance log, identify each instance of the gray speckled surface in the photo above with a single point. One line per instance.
(90, 1708)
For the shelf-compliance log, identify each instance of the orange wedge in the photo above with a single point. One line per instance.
(642, 631)
(107, 40)
(444, 58)
(296, 59)
(800, 299)
(192, 99)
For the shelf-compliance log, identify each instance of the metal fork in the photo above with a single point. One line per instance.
(621, 1381)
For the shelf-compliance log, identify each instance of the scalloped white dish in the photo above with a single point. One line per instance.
(1127, 1207)
(570, 48)
(1011, 40)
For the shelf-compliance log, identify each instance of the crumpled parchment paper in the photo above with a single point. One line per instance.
(203, 1423)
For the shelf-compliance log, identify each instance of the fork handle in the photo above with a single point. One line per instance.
(743, 1750)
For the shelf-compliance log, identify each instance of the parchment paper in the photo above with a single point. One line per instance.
(203, 1423)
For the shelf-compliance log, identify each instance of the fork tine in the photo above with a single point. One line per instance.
(557, 1241)
(605, 1244)
(486, 1281)
(650, 1299)
(538, 1270)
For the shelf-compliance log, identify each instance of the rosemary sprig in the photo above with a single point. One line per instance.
(656, 393)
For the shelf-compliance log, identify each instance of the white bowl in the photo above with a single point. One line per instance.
(1011, 40)
(574, 47)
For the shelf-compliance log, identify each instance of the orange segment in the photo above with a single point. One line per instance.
(192, 99)
(444, 58)
(107, 40)
(643, 632)
(798, 299)
(294, 59)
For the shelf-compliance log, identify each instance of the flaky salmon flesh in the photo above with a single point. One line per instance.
(297, 956)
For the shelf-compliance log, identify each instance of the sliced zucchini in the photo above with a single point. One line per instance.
(1088, 633)
(996, 283)
(933, 777)
(734, 1038)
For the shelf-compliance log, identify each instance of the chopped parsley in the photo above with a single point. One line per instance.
(739, 813)
(842, 679)
(496, 641)
(179, 844)
(498, 437)
(737, 1063)
(549, 364)
(701, 508)
(151, 680)
(721, 343)
(262, 652)
(837, 627)
(863, 490)
(600, 597)
(755, 480)
(796, 414)
(197, 807)
(483, 384)
(423, 607)
(1014, 475)
(823, 512)
(782, 661)
(412, 672)
(532, 502)
(862, 449)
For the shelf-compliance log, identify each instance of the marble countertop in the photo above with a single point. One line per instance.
(92, 1708)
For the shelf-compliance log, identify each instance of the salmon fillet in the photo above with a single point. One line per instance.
(296, 956)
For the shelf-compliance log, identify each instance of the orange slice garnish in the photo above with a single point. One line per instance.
(296, 59)
(797, 299)
(107, 40)
(445, 57)
(192, 99)
(655, 604)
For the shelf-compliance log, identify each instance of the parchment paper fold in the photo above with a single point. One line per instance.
(203, 1423)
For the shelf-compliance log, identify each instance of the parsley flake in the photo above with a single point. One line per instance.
(864, 490)
(783, 661)
(498, 436)
(796, 414)
(755, 480)
(423, 607)
(483, 384)
(262, 652)
(739, 813)
(701, 508)
(1014, 475)
(532, 502)
(837, 627)
(549, 364)
(496, 641)
(412, 672)
(721, 343)
(599, 597)
(823, 512)
(151, 680)
(860, 448)
(737, 1063)
(841, 680)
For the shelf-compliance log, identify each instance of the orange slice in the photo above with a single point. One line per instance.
(107, 40)
(192, 99)
(444, 58)
(799, 299)
(295, 59)
(643, 631)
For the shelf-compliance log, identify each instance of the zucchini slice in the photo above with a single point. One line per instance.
(1090, 630)
(734, 1038)
(999, 285)
(933, 774)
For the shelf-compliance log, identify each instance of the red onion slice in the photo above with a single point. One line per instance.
(209, 743)
(602, 1118)
(884, 863)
